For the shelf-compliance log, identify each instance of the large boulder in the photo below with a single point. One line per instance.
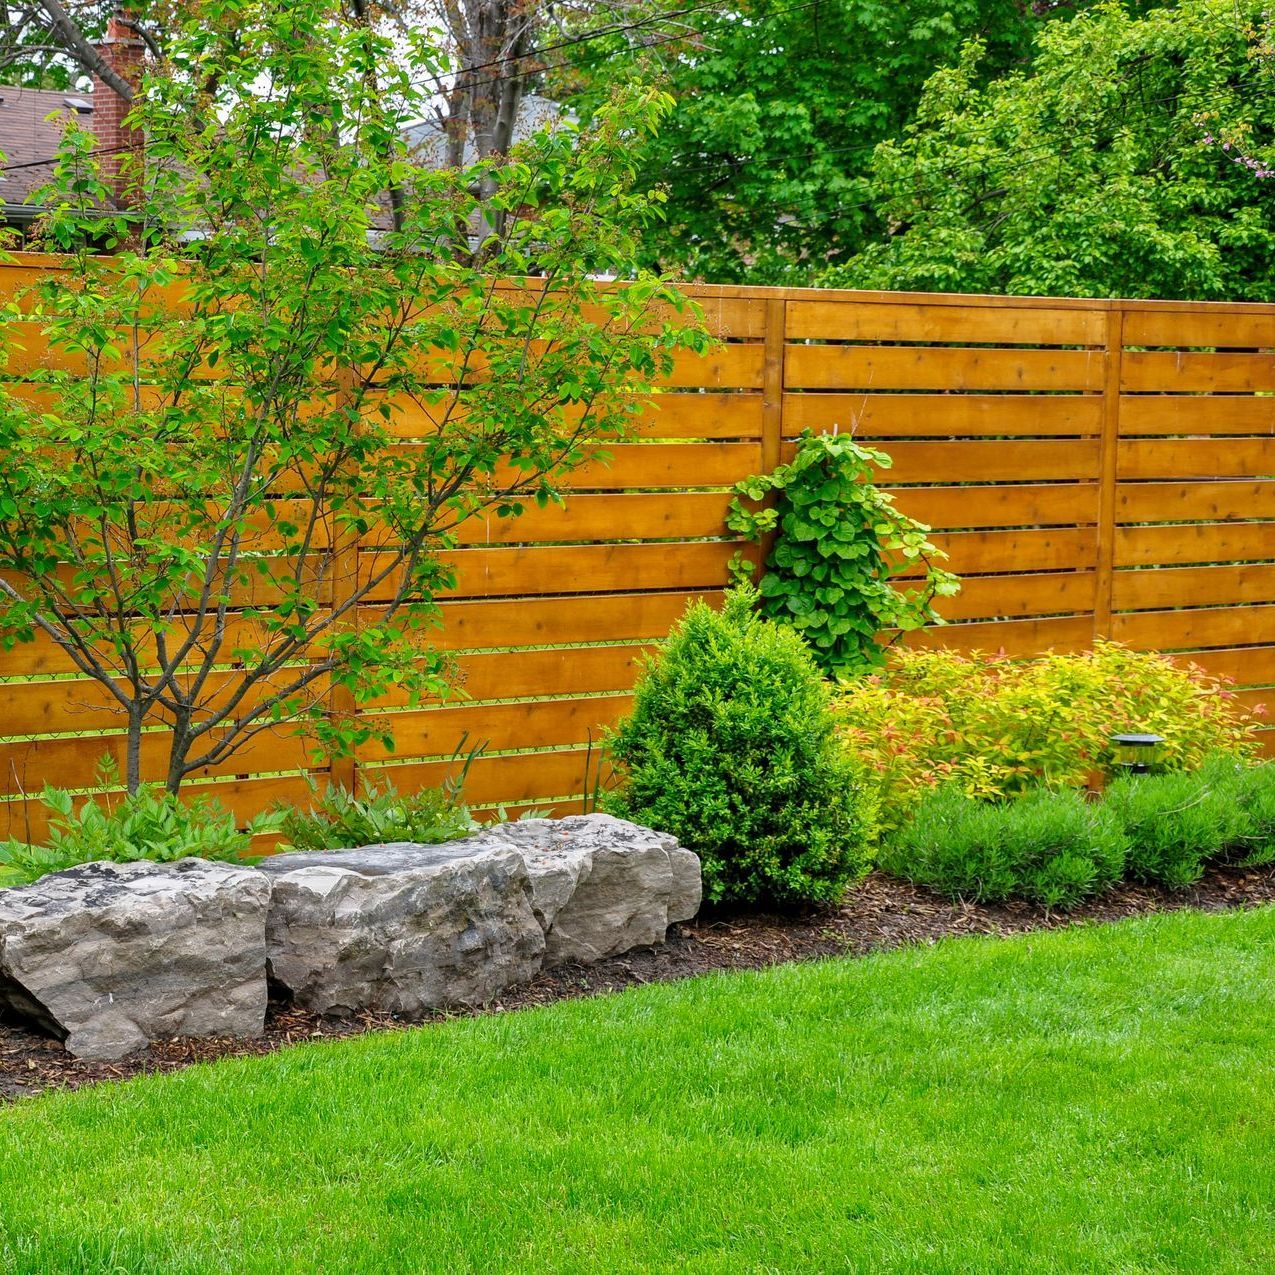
(405, 928)
(400, 928)
(109, 956)
(601, 885)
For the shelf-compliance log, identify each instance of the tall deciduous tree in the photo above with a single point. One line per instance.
(271, 368)
(1135, 158)
(779, 106)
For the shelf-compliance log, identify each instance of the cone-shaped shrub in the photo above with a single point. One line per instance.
(731, 748)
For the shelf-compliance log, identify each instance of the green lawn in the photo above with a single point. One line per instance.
(1089, 1100)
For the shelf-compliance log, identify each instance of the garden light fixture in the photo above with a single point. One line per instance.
(1136, 754)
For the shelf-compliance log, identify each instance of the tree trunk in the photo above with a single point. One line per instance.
(133, 750)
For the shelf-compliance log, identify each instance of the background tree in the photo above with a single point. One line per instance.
(779, 106)
(271, 368)
(1135, 158)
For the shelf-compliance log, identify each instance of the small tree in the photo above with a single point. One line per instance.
(296, 346)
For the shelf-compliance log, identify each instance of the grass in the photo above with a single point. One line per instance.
(1097, 1099)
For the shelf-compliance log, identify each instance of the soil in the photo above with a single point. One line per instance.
(882, 913)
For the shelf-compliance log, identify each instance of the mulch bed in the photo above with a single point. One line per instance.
(882, 913)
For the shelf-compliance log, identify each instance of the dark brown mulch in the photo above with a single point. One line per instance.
(881, 913)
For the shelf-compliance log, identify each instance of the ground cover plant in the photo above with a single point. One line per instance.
(162, 827)
(1095, 1099)
(731, 748)
(149, 824)
(1178, 823)
(1052, 848)
(998, 727)
(340, 820)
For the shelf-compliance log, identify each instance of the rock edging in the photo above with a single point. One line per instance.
(110, 956)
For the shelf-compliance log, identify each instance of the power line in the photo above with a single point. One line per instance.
(596, 34)
(616, 53)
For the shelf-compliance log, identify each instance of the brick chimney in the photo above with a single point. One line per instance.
(120, 148)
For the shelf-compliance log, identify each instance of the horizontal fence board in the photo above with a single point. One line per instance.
(696, 416)
(734, 367)
(1243, 665)
(943, 415)
(1011, 596)
(489, 573)
(1193, 630)
(1194, 542)
(1192, 586)
(676, 465)
(959, 324)
(1161, 372)
(521, 778)
(1196, 414)
(1060, 549)
(858, 367)
(1197, 458)
(1260, 702)
(690, 414)
(1231, 330)
(441, 732)
(986, 462)
(620, 516)
(564, 671)
(561, 621)
(25, 766)
(1007, 505)
(1231, 500)
(1017, 638)
(68, 706)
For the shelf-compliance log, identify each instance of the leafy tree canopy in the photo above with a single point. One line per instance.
(779, 106)
(1135, 158)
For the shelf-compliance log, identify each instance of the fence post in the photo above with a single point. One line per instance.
(1109, 453)
(772, 397)
(772, 406)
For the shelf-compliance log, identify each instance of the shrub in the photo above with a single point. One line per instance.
(1052, 848)
(342, 821)
(731, 748)
(148, 824)
(1176, 823)
(997, 727)
(1255, 793)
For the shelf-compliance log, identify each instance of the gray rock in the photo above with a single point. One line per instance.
(109, 956)
(601, 885)
(401, 928)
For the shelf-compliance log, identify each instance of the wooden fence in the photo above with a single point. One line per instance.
(1093, 468)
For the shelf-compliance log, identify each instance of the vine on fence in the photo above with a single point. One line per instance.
(839, 546)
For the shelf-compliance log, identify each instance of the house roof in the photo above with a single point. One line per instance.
(29, 138)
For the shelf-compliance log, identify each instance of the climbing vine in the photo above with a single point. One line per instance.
(839, 547)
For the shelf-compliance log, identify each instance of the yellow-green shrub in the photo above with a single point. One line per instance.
(996, 727)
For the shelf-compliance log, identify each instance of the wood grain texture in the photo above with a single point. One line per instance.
(875, 415)
(865, 367)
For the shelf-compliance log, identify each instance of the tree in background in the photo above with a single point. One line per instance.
(779, 106)
(1135, 158)
(272, 367)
